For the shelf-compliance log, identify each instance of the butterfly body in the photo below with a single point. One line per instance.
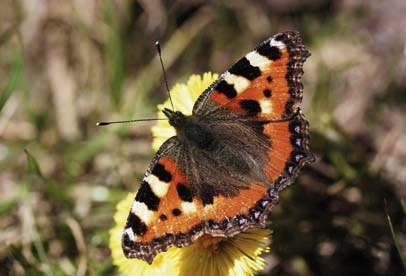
(190, 130)
(245, 141)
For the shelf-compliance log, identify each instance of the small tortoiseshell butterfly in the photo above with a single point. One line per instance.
(221, 174)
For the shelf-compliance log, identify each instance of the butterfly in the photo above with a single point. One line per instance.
(245, 141)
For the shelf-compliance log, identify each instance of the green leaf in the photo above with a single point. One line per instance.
(32, 164)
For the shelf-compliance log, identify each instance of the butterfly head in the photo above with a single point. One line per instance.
(176, 118)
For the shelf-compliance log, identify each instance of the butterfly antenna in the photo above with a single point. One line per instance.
(126, 121)
(158, 48)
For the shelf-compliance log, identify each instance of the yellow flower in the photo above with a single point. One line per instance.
(236, 256)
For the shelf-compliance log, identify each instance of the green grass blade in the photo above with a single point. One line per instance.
(396, 241)
(32, 164)
(15, 78)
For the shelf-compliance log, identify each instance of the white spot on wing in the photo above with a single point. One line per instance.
(140, 209)
(240, 83)
(277, 43)
(266, 106)
(188, 207)
(258, 60)
(159, 187)
(130, 233)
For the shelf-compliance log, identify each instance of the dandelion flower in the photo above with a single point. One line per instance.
(235, 256)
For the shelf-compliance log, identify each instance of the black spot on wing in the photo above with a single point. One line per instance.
(258, 126)
(271, 52)
(126, 240)
(269, 79)
(226, 89)
(163, 217)
(267, 92)
(147, 196)
(251, 106)
(161, 173)
(207, 195)
(176, 212)
(281, 37)
(139, 228)
(184, 192)
(244, 68)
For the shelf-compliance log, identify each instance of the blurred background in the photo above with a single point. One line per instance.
(64, 65)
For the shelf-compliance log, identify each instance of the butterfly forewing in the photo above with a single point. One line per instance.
(265, 83)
